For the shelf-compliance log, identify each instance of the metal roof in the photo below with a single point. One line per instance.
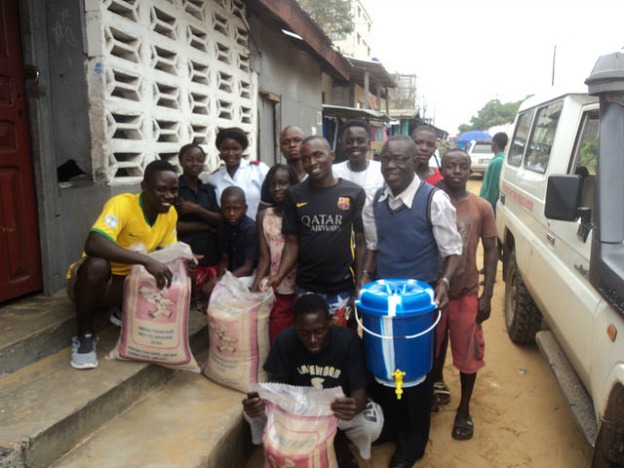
(354, 112)
(289, 16)
(376, 72)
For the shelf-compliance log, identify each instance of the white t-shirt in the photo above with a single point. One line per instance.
(248, 176)
(370, 179)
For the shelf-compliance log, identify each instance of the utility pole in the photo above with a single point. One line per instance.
(552, 83)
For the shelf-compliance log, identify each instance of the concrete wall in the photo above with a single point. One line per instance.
(68, 87)
(125, 82)
(79, 201)
(287, 72)
(163, 73)
(341, 95)
(52, 42)
(122, 83)
(327, 85)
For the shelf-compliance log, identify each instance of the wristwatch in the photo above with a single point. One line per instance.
(446, 282)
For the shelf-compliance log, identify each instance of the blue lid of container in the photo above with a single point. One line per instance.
(394, 297)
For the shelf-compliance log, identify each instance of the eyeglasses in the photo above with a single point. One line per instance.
(395, 158)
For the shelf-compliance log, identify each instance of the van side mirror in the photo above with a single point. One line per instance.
(563, 202)
(563, 197)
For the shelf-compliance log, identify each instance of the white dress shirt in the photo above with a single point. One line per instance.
(248, 176)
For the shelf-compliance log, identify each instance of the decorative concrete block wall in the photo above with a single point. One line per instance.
(163, 73)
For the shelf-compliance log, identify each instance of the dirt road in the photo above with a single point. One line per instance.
(521, 418)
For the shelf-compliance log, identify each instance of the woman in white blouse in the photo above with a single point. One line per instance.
(248, 175)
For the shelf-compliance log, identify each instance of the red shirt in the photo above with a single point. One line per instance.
(433, 179)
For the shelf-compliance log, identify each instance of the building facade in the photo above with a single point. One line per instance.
(359, 42)
(98, 89)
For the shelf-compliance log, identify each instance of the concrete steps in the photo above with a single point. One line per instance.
(49, 410)
(34, 328)
(190, 422)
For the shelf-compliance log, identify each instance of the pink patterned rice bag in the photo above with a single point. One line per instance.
(300, 426)
(155, 321)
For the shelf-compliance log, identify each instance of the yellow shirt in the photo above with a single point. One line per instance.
(122, 221)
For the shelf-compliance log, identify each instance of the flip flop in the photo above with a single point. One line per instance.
(441, 393)
(463, 428)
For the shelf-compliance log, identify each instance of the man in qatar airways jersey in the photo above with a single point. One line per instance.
(323, 230)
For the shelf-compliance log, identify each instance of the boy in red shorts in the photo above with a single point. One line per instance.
(467, 310)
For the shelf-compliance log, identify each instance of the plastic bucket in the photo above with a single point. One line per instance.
(398, 322)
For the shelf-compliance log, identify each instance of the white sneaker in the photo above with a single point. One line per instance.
(116, 316)
(83, 354)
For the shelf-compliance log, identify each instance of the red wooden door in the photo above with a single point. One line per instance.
(20, 263)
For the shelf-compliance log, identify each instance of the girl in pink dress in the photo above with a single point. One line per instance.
(271, 242)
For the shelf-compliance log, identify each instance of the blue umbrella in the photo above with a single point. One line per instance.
(465, 138)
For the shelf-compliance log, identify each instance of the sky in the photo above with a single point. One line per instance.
(467, 52)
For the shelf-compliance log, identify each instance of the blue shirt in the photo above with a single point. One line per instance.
(239, 242)
(202, 243)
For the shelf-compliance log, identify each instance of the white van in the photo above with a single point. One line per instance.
(560, 220)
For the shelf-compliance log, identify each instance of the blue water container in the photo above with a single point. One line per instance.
(398, 319)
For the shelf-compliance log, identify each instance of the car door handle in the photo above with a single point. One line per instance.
(550, 238)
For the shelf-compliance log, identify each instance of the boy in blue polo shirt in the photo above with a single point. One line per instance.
(238, 238)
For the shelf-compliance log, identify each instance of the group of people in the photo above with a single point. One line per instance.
(315, 232)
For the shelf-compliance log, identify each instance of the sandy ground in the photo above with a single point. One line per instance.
(521, 417)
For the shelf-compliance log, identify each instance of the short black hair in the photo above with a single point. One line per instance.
(233, 133)
(292, 175)
(501, 139)
(405, 139)
(315, 137)
(456, 150)
(188, 147)
(356, 124)
(233, 191)
(309, 304)
(159, 165)
(423, 128)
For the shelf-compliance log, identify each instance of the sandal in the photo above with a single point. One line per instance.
(441, 393)
(463, 428)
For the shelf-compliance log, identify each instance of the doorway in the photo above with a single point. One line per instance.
(20, 258)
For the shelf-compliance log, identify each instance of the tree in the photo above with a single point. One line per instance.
(332, 16)
(492, 114)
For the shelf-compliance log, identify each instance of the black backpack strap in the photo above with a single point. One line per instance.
(425, 186)
(376, 198)
(435, 189)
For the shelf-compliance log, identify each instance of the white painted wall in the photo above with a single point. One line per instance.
(163, 73)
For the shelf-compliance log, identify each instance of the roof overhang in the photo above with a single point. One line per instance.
(355, 113)
(287, 15)
(404, 113)
(377, 74)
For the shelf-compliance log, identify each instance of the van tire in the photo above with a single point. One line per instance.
(599, 457)
(522, 317)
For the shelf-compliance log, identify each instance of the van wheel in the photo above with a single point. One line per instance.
(599, 458)
(522, 317)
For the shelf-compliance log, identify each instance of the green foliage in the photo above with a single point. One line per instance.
(589, 155)
(492, 114)
(333, 16)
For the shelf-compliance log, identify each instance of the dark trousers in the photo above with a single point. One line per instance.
(406, 421)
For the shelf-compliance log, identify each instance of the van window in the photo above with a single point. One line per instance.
(521, 135)
(543, 136)
(586, 155)
(481, 148)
